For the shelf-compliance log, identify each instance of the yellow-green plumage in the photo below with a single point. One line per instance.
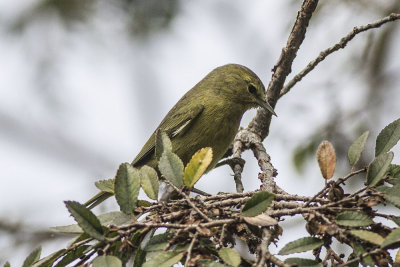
(208, 115)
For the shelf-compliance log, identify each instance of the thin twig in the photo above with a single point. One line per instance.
(388, 217)
(351, 174)
(326, 258)
(222, 236)
(336, 256)
(77, 244)
(265, 256)
(338, 182)
(301, 210)
(189, 251)
(319, 194)
(132, 227)
(85, 258)
(261, 122)
(173, 239)
(238, 167)
(224, 196)
(190, 202)
(200, 192)
(268, 170)
(340, 45)
(237, 176)
(236, 163)
(360, 257)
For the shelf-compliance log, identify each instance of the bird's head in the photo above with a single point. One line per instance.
(241, 85)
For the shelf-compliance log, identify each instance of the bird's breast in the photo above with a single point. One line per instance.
(215, 128)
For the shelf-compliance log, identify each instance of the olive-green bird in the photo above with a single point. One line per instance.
(208, 115)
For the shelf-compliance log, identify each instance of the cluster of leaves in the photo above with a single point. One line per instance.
(202, 230)
(129, 180)
(117, 236)
(352, 222)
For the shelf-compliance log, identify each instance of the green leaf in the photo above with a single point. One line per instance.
(136, 237)
(378, 168)
(149, 181)
(80, 238)
(353, 219)
(164, 259)
(354, 263)
(7, 264)
(171, 167)
(49, 260)
(114, 217)
(127, 185)
(230, 256)
(180, 248)
(33, 257)
(146, 239)
(300, 262)
(387, 138)
(301, 245)
(368, 236)
(89, 223)
(140, 257)
(392, 240)
(358, 250)
(257, 204)
(123, 252)
(383, 188)
(356, 148)
(107, 261)
(157, 243)
(144, 203)
(392, 195)
(209, 263)
(72, 255)
(393, 181)
(396, 262)
(396, 220)
(105, 185)
(394, 171)
(197, 166)
(163, 143)
(68, 229)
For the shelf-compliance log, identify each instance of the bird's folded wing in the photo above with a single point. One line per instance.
(176, 123)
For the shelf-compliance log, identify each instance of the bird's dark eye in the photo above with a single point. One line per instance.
(252, 89)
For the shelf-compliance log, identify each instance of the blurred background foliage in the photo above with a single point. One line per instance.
(143, 17)
(60, 56)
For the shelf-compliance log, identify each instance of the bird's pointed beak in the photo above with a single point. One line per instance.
(265, 105)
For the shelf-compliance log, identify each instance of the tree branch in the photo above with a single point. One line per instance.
(261, 122)
(187, 198)
(340, 45)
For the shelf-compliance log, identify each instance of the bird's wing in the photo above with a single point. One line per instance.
(176, 125)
